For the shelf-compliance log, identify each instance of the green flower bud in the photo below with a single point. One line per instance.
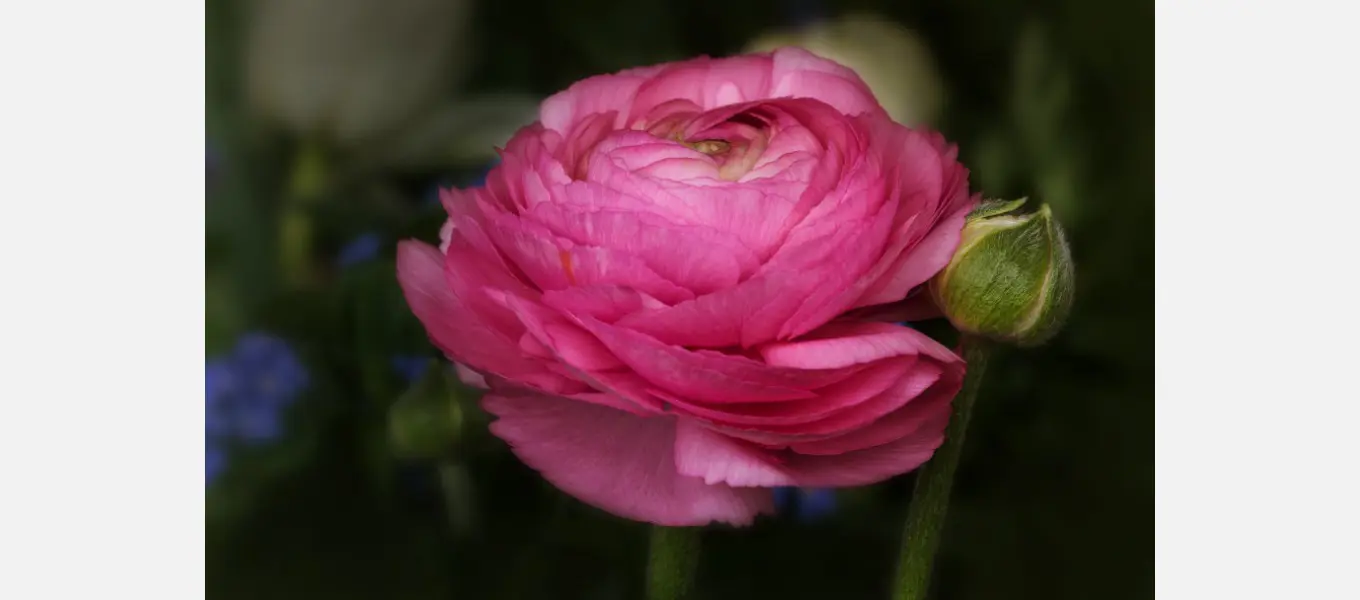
(427, 420)
(1011, 277)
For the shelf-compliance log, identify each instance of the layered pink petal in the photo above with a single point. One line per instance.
(846, 343)
(891, 373)
(708, 83)
(698, 258)
(848, 417)
(798, 73)
(608, 303)
(752, 215)
(758, 309)
(925, 409)
(935, 186)
(885, 367)
(720, 459)
(870, 465)
(797, 420)
(603, 93)
(578, 355)
(553, 263)
(615, 461)
(461, 332)
(704, 375)
(563, 339)
(915, 267)
(469, 376)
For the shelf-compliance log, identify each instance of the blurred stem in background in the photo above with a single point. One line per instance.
(930, 499)
(456, 484)
(296, 236)
(673, 559)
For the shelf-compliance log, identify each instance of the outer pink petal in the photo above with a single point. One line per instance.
(936, 188)
(602, 93)
(839, 284)
(472, 266)
(708, 83)
(798, 73)
(843, 343)
(909, 172)
(795, 420)
(848, 418)
(917, 417)
(717, 458)
(897, 377)
(704, 375)
(721, 460)
(615, 461)
(608, 303)
(576, 354)
(565, 340)
(917, 265)
(469, 376)
(462, 333)
(870, 465)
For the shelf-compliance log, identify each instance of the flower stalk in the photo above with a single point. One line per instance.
(935, 480)
(673, 558)
(305, 183)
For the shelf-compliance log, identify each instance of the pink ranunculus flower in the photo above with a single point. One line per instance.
(668, 286)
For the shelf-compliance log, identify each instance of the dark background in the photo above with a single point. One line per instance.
(1050, 99)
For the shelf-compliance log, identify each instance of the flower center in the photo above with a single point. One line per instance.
(709, 147)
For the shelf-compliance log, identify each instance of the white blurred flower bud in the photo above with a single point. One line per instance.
(347, 71)
(893, 60)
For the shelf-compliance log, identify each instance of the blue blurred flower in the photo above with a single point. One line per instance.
(221, 382)
(271, 369)
(410, 367)
(215, 461)
(816, 504)
(246, 393)
(807, 504)
(360, 249)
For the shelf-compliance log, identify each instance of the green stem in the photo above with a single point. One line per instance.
(930, 500)
(305, 182)
(674, 556)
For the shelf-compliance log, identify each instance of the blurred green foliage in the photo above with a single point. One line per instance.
(1050, 99)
